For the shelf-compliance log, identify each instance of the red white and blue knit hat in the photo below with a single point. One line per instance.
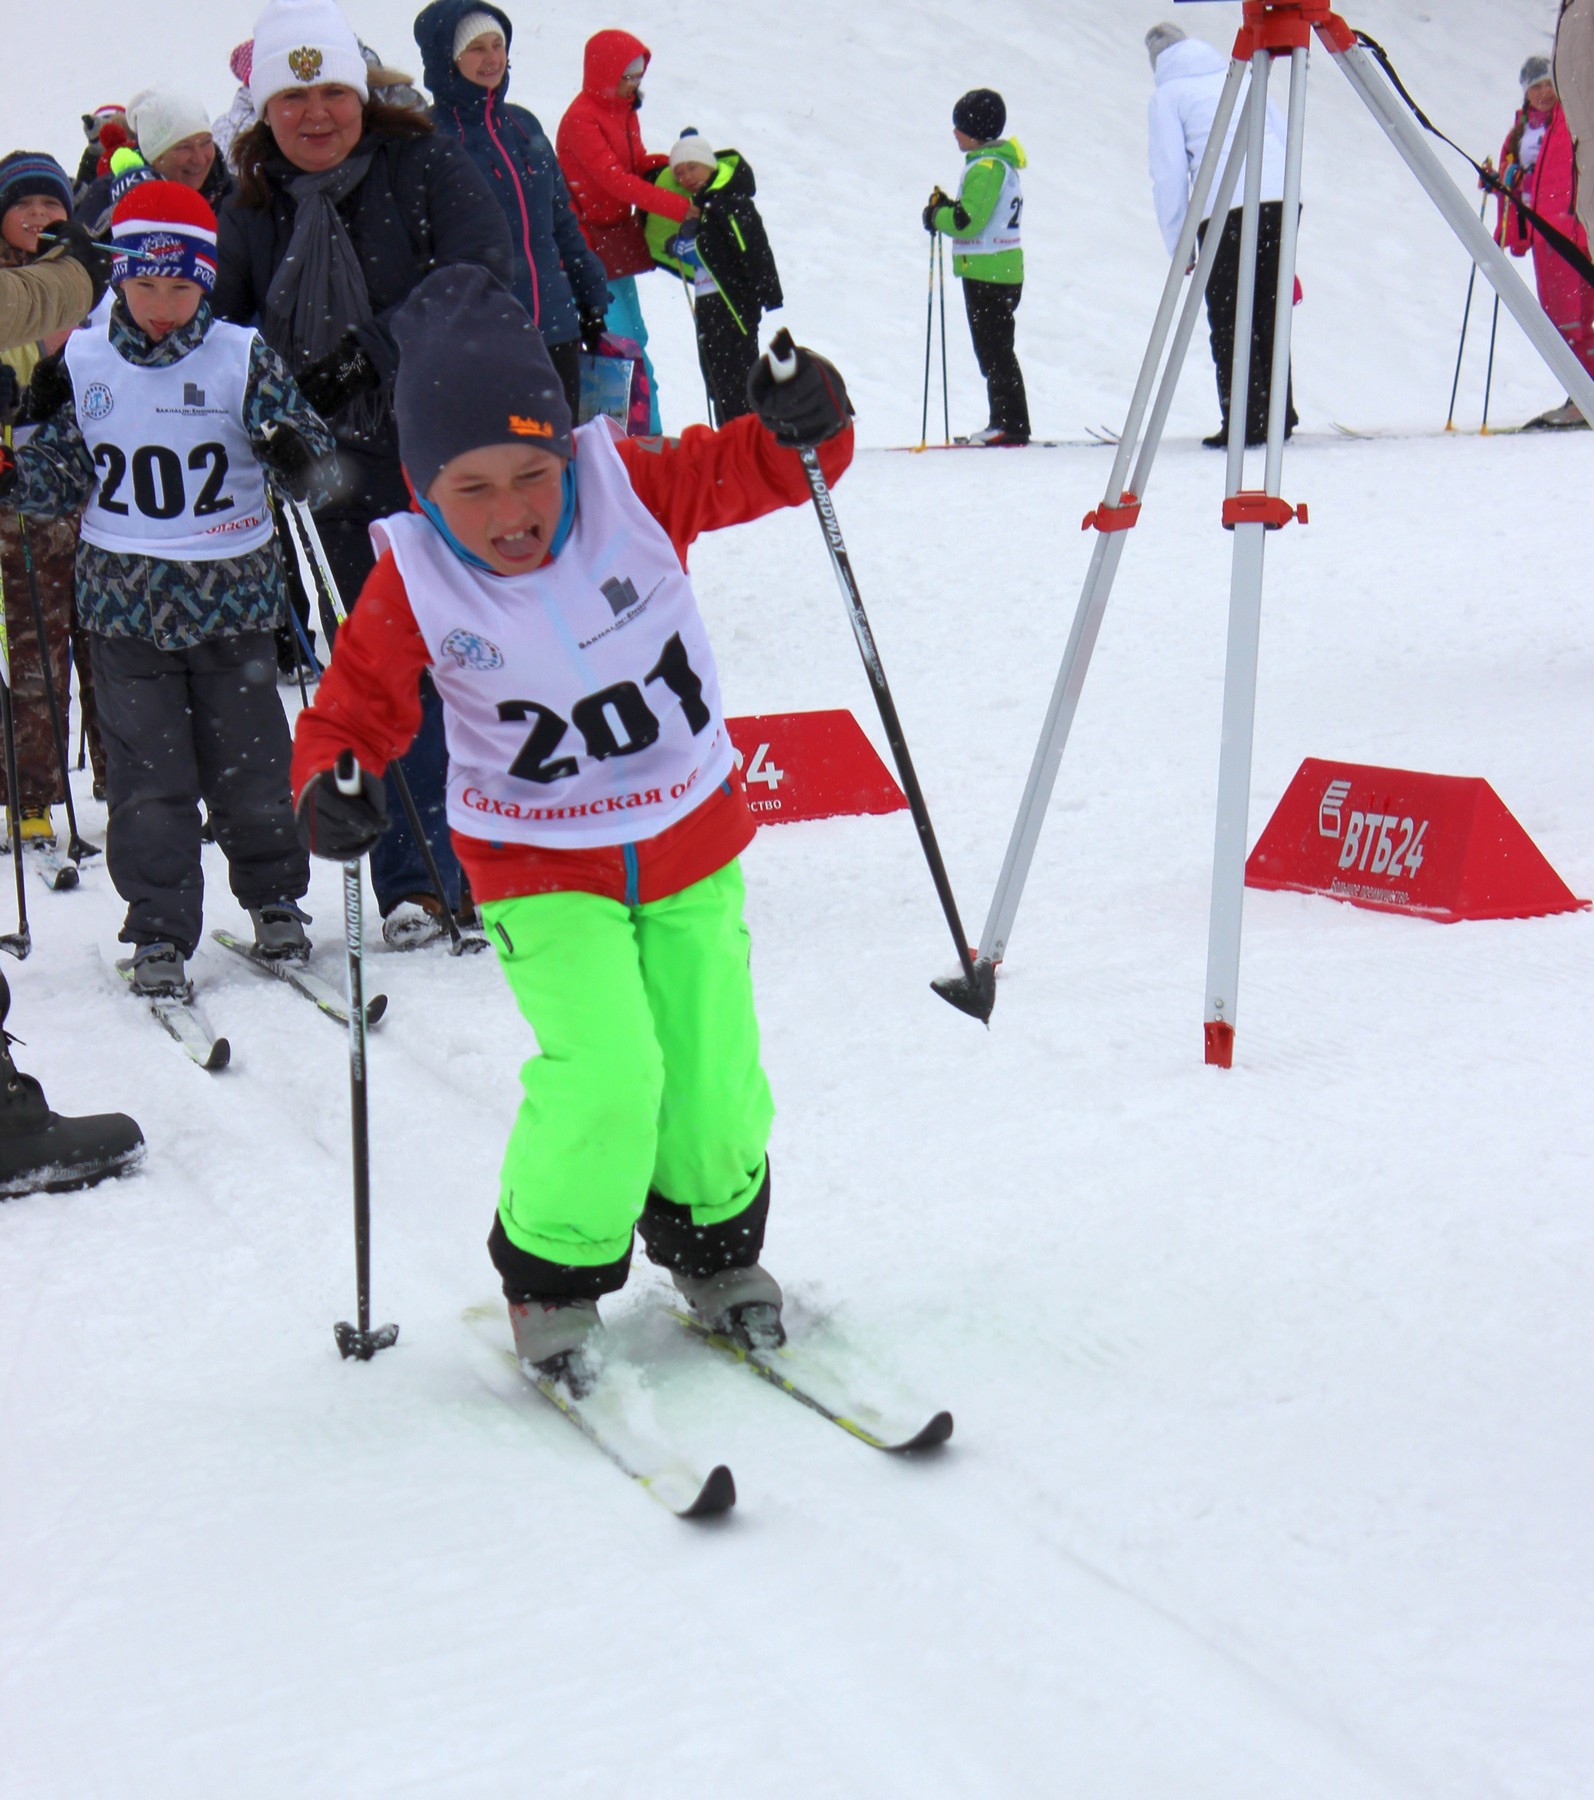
(164, 228)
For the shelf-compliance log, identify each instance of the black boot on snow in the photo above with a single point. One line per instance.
(42, 1151)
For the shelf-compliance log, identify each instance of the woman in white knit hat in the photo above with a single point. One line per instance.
(343, 204)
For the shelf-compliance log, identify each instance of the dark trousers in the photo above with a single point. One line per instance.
(38, 767)
(1223, 291)
(181, 726)
(990, 306)
(398, 870)
(566, 360)
(728, 355)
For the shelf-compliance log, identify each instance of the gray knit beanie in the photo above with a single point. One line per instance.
(473, 370)
(1535, 69)
(1159, 38)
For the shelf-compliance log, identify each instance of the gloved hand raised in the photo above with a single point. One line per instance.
(68, 238)
(805, 407)
(338, 377)
(341, 826)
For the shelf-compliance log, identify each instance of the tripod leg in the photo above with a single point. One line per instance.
(1246, 572)
(1403, 133)
(1109, 546)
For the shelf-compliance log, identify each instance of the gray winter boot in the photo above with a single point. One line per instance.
(158, 972)
(743, 1303)
(279, 931)
(551, 1339)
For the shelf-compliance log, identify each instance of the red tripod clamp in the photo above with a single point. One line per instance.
(1253, 507)
(1115, 518)
(1280, 26)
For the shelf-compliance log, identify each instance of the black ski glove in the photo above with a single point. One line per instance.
(49, 389)
(10, 396)
(340, 827)
(289, 458)
(807, 408)
(344, 372)
(937, 201)
(68, 238)
(591, 333)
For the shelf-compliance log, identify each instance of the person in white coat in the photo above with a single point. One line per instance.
(1189, 77)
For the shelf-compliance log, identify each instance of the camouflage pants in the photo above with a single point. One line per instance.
(53, 543)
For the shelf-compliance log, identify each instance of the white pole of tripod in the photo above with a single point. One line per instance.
(1250, 542)
(1403, 132)
(1109, 546)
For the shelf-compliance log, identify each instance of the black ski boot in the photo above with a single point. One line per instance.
(41, 1150)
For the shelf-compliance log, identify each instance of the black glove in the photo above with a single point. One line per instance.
(339, 376)
(805, 409)
(8, 472)
(289, 458)
(49, 389)
(10, 396)
(591, 332)
(67, 238)
(937, 201)
(340, 827)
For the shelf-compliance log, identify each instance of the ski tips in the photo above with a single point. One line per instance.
(976, 998)
(363, 1345)
(220, 1056)
(716, 1496)
(935, 1432)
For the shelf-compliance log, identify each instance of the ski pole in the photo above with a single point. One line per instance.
(946, 400)
(296, 591)
(976, 994)
(75, 846)
(19, 942)
(929, 332)
(358, 1340)
(310, 538)
(82, 731)
(1466, 313)
(1488, 379)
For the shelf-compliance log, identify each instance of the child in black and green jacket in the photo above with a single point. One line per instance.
(724, 255)
(984, 225)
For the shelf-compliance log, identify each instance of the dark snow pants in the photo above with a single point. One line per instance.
(990, 306)
(1223, 292)
(54, 550)
(398, 869)
(181, 726)
(728, 355)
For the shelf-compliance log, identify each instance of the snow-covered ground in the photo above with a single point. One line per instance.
(1272, 1465)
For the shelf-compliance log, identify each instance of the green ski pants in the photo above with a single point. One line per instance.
(647, 1076)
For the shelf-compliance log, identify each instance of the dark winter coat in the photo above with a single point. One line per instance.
(422, 205)
(605, 163)
(729, 239)
(557, 278)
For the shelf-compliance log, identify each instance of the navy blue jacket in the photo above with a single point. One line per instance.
(556, 277)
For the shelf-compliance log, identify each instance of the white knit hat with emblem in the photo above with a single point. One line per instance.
(304, 43)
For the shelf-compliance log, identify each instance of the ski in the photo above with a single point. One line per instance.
(798, 1373)
(52, 865)
(1104, 434)
(663, 1475)
(181, 1018)
(1085, 443)
(315, 988)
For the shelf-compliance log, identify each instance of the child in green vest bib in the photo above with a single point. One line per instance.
(724, 257)
(983, 221)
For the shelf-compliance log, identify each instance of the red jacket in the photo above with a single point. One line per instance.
(369, 698)
(605, 165)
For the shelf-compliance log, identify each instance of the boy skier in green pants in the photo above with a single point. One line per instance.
(592, 793)
(983, 223)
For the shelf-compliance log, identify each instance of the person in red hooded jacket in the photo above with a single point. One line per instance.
(1539, 161)
(608, 170)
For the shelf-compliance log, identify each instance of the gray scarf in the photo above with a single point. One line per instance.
(318, 291)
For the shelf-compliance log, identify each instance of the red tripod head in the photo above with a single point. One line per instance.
(1280, 26)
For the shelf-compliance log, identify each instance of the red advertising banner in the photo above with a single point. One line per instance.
(810, 765)
(1440, 846)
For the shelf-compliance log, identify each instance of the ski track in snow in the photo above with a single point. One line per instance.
(1271, 1388)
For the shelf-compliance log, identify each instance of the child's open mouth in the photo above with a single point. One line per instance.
(524, 546)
